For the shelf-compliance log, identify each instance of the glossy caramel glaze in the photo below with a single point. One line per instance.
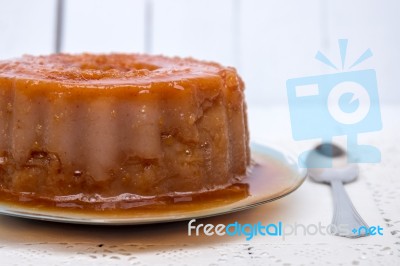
(120, 123)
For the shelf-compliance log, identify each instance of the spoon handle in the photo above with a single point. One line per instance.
(346, 221)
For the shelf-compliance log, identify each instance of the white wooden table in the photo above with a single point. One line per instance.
(376, 196)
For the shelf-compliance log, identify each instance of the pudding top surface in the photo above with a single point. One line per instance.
(107, 69)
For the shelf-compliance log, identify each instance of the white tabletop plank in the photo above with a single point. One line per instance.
(104, 26)
(26, 27)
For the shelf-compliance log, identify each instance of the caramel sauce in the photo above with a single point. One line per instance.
(128, 203)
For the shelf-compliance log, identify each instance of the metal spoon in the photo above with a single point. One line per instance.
(346, 221)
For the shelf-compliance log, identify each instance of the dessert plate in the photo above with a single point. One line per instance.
(274, 174)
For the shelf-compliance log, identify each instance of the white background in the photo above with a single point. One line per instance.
(268, 41)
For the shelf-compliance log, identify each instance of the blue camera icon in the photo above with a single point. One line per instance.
(345, 103)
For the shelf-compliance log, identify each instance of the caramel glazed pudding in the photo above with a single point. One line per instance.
(117, 124)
